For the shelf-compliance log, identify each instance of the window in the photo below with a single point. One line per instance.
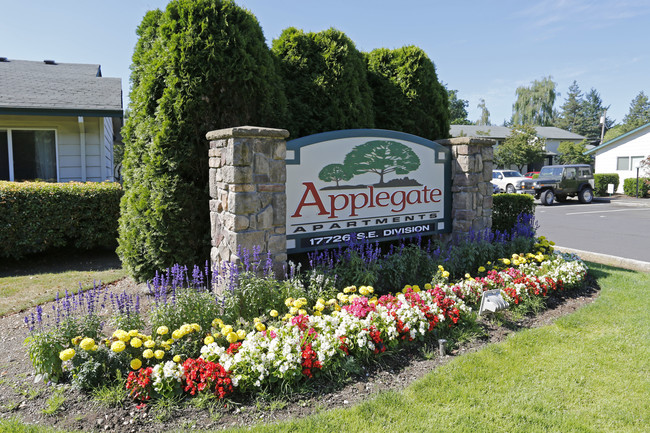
(570, 173)
(623, 163)
(584, 172)
(28, 155)
(636, 162)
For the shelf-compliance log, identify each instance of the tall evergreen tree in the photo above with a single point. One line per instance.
(325, 80)
(534, 104)
(570, 118)
(591, 112)
(198, 66)
(639, 113)
(457, 109)
(407, 95)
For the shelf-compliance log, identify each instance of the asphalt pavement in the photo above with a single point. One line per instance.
(613, 231)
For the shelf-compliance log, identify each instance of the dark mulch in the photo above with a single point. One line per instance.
(21, 397)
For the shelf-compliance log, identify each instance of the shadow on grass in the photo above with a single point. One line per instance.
(61, 260)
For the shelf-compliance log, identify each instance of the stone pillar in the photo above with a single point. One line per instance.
(247, 193)
(471, 174)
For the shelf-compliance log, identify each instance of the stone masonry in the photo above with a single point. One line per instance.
(247, 193)
(471, 174)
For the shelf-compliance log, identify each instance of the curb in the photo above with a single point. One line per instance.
(624, 202)
(604, 259)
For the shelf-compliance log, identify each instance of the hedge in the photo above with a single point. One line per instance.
(601, 180)
(629, 186)
(198, 66)
(37, 216)
(507, 207)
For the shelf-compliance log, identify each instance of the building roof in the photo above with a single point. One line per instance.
(501, 132)
(613, 141)
(50, 88)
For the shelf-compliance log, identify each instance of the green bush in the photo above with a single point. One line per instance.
(629, 186)
(325, 82)
(38, 216)
(407, 95)
(409, 265)
(601, 180)
(198, 66)
(507, 207)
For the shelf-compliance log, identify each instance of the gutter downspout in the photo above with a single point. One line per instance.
(82, 142)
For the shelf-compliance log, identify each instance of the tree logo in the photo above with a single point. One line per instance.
(380, 157)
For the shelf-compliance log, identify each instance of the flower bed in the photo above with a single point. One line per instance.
(307, 341)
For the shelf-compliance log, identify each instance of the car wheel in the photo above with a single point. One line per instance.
(560, 198)
(510, 189)
(547, 197)
(586, 195)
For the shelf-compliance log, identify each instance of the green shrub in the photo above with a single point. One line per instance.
(507, 207)
(629, 186)
(325, 82)
(37, 216)
(407, 95)
(198, 66)
(601, 180)
(410, 265)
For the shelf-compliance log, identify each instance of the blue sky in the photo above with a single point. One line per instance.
(484, 49)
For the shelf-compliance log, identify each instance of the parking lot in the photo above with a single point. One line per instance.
(617, 228)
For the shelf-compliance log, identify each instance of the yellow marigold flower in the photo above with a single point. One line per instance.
(196, 327)
(293, 310)
(467, 275)
(177, 359)
(208, 339)
(317, 313)
(226, 330)
(257, 320)
(121, 335)
(481, 269)
(428, 286)
(170, 341)
(87, 343)
(440, 268)
(186, 328)
(149, 344)
(332, 301)
(363, 291)
(288, 302)
(506, 261)
(162, 330)
(66, 355)
(274, 313)
(296, 304)
(118, 346)
(445, 274)
(416, 288)
(489, 263)
(159, 354)
(166, 346)
(136, 364)
(287, 316)
(133, 333)
(94, 348)
(302, 311)
(231, 337)
(148, 353)
(136, 342)
(217, 322)
(217, 335)
(260, 326)
(370, 289)
(76, 340)
(177, 334)
(241, 334)
(319, 307)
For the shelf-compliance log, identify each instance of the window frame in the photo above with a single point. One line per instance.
(10, 147)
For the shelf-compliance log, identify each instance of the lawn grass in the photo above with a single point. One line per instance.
(18, 293)
(588, 372)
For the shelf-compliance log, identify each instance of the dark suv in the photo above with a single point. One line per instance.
(560, 182)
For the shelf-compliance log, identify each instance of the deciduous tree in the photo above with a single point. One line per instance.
(485, 114)
(334, 173)
(520, 148)
(570, 152)
(457, 109)
(534, 104)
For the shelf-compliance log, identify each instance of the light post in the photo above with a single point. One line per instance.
(637, 180)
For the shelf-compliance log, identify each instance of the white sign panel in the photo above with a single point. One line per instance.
(370, 184)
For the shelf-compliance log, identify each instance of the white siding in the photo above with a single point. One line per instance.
(69, 143)
(637, 144)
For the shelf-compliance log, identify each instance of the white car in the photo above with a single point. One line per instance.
(506, 180)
